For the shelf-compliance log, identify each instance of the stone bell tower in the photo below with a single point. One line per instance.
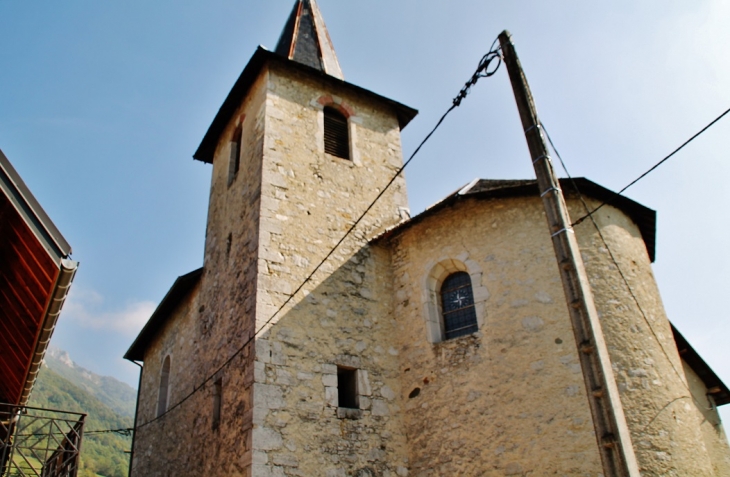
(297, 155)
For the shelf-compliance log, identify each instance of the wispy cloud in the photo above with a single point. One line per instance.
(87, 308)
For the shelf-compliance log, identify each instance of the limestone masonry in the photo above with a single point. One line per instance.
(378, 365)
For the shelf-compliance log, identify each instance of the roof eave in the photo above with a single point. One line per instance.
(179, 290)
(28, 207)
(206, 150)
(716, 388)
(644, 217)
(50, 319)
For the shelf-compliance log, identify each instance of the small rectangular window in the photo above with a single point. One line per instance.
(347, 387)
(235, 159)
(217, 402)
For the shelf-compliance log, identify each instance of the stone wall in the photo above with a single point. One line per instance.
(664, 427)
(711, 425)
(509, 399)
(300, 428)
(342, 317)
(518, 380)
(218, 327)
(154, 446)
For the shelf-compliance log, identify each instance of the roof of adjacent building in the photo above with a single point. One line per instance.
(715, 387)
(180, 290)
(35, 275)
(305, 39)
(643, 217)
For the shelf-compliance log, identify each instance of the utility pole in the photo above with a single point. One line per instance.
(612, 433)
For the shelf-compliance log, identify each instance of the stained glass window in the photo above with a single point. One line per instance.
(457, 306)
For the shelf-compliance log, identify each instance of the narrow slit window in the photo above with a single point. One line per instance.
(234, 162)
(347, 388)
(217, 402)
(336, 134)
(164, 387)
(457, 306)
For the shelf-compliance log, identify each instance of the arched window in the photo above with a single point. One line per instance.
(457, 306)
(336, 135)
(164, 384)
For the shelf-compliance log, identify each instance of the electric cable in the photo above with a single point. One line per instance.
(482, 71)
(650, 169)
(126, 431)
(485, 69)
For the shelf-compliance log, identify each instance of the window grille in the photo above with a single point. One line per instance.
(457, 306)
(336, 134)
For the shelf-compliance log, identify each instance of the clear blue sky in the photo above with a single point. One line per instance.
(102, 105)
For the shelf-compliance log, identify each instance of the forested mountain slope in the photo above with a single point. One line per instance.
(108, 403)
(117, 395)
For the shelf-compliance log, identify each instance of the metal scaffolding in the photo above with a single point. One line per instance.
(38, 442)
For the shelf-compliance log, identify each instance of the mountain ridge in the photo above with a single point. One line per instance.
(116, 394)
(108, 403)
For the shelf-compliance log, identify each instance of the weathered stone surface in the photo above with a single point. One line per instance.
(711, 426)
(644, 356)
(210, 326)
(507, 380)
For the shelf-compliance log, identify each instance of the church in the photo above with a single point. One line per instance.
(437, 345)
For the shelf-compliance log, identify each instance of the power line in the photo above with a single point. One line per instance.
(482, 71)
(125, 431)
(485, 69)
(648, 171)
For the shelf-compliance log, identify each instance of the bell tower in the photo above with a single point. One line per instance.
(298, 154)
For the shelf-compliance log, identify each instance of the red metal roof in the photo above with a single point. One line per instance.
(32, 256)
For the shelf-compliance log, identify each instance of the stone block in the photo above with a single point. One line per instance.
(266, 439)
(260, 458)
(267, 471)
(347, 413)
(331, 397)
(329, 380)
(380, 408)
(268, 396)
(363, 383)
(387, 393)
(286, 460)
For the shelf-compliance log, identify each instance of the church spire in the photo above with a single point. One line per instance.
(305, 39)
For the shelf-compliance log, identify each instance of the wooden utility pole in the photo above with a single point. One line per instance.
(612, 433)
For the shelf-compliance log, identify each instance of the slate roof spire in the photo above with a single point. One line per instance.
(305, 39)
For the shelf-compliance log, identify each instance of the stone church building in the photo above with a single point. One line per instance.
(438, 345)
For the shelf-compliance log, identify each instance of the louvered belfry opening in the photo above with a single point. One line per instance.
(336, 135)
